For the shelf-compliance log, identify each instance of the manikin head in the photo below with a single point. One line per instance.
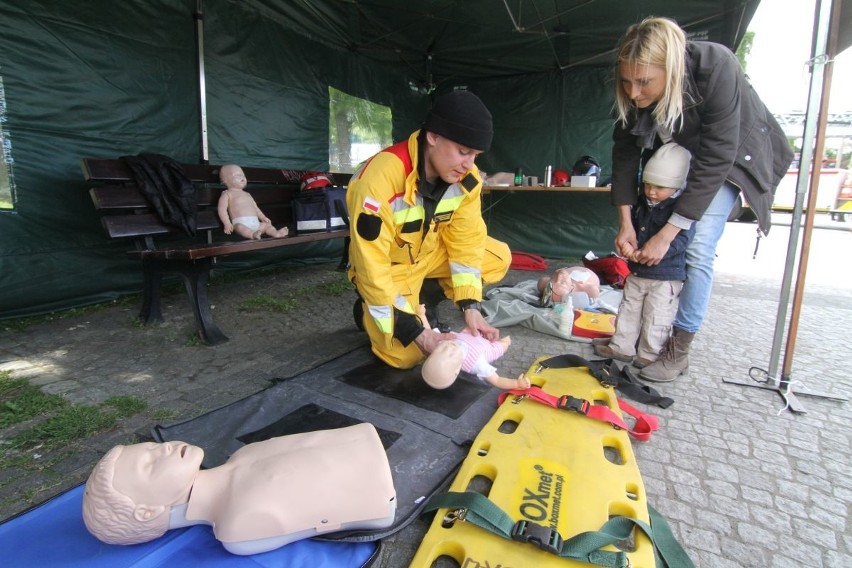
(458, 129)
(232, 177)
(565, 281)
(443, 365)
(130, 492)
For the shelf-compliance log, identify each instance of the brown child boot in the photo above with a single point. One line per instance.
(673, 361)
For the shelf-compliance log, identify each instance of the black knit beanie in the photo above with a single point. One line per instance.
(461, 117)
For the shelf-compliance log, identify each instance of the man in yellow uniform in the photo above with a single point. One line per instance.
(416, 216)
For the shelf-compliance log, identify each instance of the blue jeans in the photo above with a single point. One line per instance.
(700, 255)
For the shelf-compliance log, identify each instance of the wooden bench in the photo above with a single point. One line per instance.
(164, 249)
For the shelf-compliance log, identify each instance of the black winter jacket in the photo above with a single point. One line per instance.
(647, 221)
(167, 188)
(728, 129)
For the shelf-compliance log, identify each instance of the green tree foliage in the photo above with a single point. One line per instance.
(354, 120)
(744, 48)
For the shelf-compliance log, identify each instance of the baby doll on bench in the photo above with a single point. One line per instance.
(238, 210)
(470, 354)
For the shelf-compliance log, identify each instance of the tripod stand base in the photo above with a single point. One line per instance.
(786, 392)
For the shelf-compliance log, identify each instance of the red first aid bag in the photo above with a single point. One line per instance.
(527, 261)
(610, 269)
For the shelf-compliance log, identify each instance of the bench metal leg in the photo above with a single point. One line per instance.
(151, 311)
(344, 257)
(195, 275)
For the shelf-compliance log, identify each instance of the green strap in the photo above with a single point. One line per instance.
(585, 547)
(674, 556)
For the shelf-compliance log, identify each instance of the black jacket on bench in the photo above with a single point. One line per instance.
(167, 188)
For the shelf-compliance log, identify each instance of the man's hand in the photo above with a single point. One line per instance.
(477, 326)
(428, 340)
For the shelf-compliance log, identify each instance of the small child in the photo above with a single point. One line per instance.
(651, 293)
(470, 354)
(238, 210)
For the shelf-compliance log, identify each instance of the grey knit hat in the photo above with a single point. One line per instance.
(668, 167)
(461, 117)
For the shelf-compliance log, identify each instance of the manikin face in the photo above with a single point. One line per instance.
(157, 474)
(233, 176)
(644, 84)
(657, 193)
(446, 159)
(453, 355)
(561, 285)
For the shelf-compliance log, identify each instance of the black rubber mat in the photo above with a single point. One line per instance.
(310, 418)
(408, 386)
(426, 433)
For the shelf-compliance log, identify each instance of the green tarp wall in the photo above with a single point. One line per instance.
(106, 79)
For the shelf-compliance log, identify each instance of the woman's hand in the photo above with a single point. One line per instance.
(625, 241)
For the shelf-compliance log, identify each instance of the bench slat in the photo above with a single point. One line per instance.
(124, 226)
(222, 249)
(116, 171)
(107, 197)
(121, 197)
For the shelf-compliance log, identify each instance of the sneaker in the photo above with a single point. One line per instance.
(610, 353)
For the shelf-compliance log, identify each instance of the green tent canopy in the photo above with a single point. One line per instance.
(108, 79)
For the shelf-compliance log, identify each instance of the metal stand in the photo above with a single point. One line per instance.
(783, 387)
(821, 85)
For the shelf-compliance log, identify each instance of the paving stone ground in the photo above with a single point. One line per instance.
(742, 481)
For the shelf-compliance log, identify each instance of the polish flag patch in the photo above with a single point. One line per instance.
(371, 204)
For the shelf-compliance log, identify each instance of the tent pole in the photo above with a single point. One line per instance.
(202, 89)
(819, 151)
(819, 91)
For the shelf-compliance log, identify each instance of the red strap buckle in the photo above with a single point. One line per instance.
(578, 405)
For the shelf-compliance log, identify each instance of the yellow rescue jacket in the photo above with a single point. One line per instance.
(388, 241)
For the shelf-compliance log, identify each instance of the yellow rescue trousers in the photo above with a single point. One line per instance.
(408, 279)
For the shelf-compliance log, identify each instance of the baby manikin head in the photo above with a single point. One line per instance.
(443, 365)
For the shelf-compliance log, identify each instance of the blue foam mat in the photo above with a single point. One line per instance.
(53, 534)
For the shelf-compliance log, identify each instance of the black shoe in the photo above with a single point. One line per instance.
(358, 314)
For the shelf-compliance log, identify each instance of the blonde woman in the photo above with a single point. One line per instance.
(693, 93)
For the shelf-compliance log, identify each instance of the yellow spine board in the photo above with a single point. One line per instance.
(548, 466)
